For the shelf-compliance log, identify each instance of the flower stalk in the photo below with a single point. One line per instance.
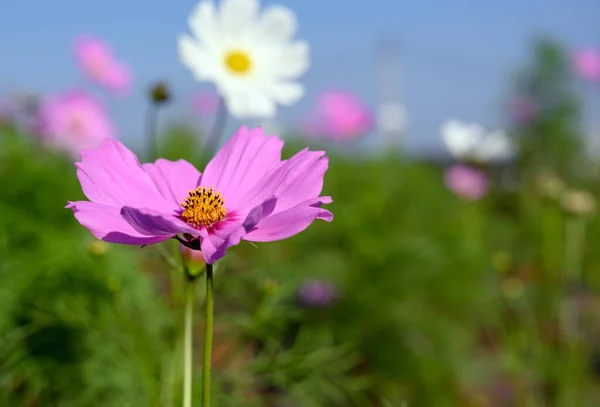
(187, 346)
(208, 337)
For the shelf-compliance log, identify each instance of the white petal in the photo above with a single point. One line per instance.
(198, 60)
(461, 139)
(204, 24)
(286, 93)
(248, 104)
(237, 16)
(291, 61)
(496, 146)
(277, 24)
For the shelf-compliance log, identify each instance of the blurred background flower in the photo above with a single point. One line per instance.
(250, 57)
(466, 182)
(586, 63)
(317, 293)
(340, 116)
(470, 141)
(72, 121)
(99, 63)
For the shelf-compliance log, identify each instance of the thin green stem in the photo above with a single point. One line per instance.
(208, 337)
(187, 347)
(574, 245)
(570, 312)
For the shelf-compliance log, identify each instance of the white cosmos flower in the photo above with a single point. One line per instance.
(250, 57)
(471, 141)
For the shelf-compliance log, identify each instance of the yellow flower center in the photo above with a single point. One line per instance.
(203, 207)
(238, 62)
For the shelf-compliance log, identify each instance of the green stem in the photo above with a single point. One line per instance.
(574, 242)
(208, 337)
(551, 240)
(569, 311)
(187, 347)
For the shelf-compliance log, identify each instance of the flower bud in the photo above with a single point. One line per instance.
(160, 93)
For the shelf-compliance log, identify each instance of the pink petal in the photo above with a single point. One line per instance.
(292, 181)
(229, 233)
(105, 222)
(174, 179)
(155, 223)
(73, 120)
(100, 64)
(287, 223)
(241, 163)
(112, 175)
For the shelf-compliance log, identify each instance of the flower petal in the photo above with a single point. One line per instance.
(229, 233)
(155, 223)
(105, 222)
(174, 179)
(287, 93)
(292, 182)
(292, 60)
(241, 163)
(244, 104)
(196, 58)
(277, 23)
(204, 24)
(287, 223)
(237, 16)
(112, 175)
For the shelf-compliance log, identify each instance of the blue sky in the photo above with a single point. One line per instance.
(456, 56)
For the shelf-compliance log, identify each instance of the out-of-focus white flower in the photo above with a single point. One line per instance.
(250, 57)
(391, 117)
(472, 141)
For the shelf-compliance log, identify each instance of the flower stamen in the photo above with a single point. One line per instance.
(203, 207)
(238, 62)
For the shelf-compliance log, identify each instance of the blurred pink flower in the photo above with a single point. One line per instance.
(586, 63)
(72, 121)
(205, 103)
(99, 63)
(339, 116)
(317, 293)
(466, 182)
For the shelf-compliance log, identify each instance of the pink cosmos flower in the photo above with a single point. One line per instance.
(98, 62)
(340, 116)
(466, 182)
(587, 64)
(246, 192)
(72, 121)
(205, 103)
